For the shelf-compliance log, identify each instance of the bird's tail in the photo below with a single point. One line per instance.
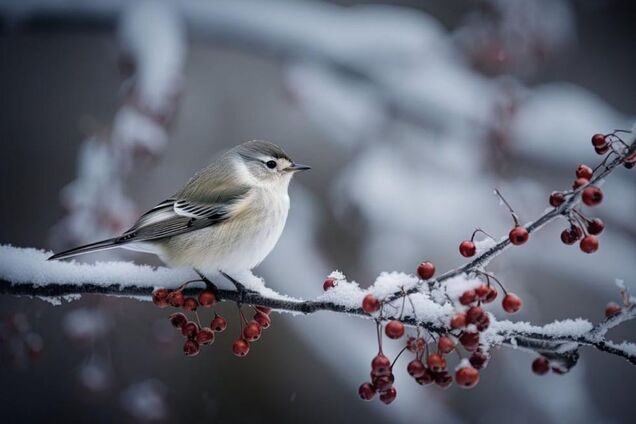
(93, 247)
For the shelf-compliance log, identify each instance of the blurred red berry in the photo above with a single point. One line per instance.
(190, 304)
(571, 235)
(540, 366)
(436, 362)
(474, 314)
(264, 309)
(329, 283)
(416, 368)
(380, 365)
(482, 290)
(394, 329)
(580, 182)
(467, 377)
(601, 150)
(470, 340)
(160, 297)
(443, 379)
(458, 321)
(370, 304)
(388, 396)
(491, 296)
(598, 140)
(252, 331)
(511, 303)
(218, 324)
(207, 298)
(612, 309)
(518, 236)
(445, 344)
(478, 359)
(240, 347)
(589, 244)
(191, 348)
(190, 329)
(205, 336)
(584, 171)
(426, 270)
(366, 391)
(178, 320)
(426, 378)
(467, 248)
(592, 196)
(263, 320)
(595, 226)
(468, 297)
(383, 383)
(556, 199)
(176, 299)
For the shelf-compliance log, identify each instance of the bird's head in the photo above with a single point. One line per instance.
(266, 163)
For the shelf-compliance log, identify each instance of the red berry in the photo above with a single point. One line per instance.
(394, 329)
(483, 323)
(263, 320)
(329, 284)
(178, 320)
(416, 368)
(458, 321)
(584, 171)
(218, 324)
(630, 161)
(518, 236)
(595, 226)
(478, 359)
(190, 329)
(589, 244)
(240, 347)
(160, 297)
(540, 365)
(252, 331)
(469, 340)
(468, 297)
(592, 196)
(580, 182)
(467, 248)
(426, 378)
(571, 235)
(482, 291)
(388, 396)
(426, 270)
(556, 199)
(511, 303)
(612, 309)
(436, 362)
(445, 344)
(598, 140)
(380, 365)
(191, 348)
(264, 309)
(491, 296)
(176, 299)
(207, 298)
(415, 345)
(370, 304)
(474, 314)
(382, 383)
(366, 391)
(467, 377)
(205, 336)
(190, 304)
(443, 379)
(601, 150)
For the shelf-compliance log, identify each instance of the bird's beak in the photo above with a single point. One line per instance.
(296, 167)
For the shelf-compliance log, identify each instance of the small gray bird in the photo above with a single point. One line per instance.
(228, 217)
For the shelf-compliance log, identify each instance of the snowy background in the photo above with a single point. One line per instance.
(409, 116)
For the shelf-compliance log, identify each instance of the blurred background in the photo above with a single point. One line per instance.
(410, 114)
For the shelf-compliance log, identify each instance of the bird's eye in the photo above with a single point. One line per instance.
(271, 164)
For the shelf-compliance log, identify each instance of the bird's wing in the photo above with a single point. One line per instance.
(176, 216)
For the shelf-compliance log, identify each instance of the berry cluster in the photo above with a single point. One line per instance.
(197, 335)
(583, 229)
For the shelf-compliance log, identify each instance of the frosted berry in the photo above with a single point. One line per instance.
(589, 244)
(207, 298)
(469, 340)
(329, 283)
(445, 344)
(580, 182)
(415, 345)
(592, 196)
(240, 347)
(518, 236)
(176, 299)
(458, 321)
(370, 304)
(416, 368)
(366, 391)
(482, 290)
(556, 199)
(205, 336)
(190, 329)
(491, 296)
(383, 383)
(388, 396)
(571, 235)
(467, 248)
(426, 378)
(252, 331)
(394, 329)
(595, 226)
(426, 270)
(380, 365)
(612, 309)
(218, 324)
(584, 171)
(436, 362)
(483, 323)
(191, 348)
(540, 366)
(511, 303)
(478, 359)
(598, 140)
(178, 320)
(474, 314)
(263, 320)
(160, 297)
(468, 297)
(467, 377)
(443, 379)
(190, 304)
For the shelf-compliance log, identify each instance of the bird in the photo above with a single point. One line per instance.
(228, 217)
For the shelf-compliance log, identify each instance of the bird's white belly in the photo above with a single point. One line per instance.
(237, 244)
